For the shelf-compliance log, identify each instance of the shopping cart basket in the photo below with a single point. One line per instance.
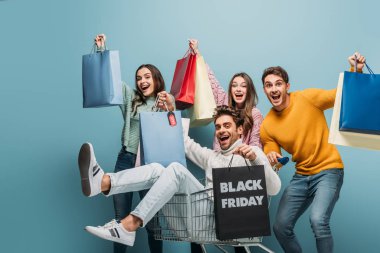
(191, 218)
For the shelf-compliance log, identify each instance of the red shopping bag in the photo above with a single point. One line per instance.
(183, 85)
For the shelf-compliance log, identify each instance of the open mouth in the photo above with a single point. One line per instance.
(144, 87)
(275, 98)
(239, 96)
(223, 139)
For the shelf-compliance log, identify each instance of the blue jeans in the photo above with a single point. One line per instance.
(162, 183)
(320, 192)
(123, 203)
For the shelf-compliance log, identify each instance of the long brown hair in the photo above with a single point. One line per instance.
(251, 101)
(158, 82)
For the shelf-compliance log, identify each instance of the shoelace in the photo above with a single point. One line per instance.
(110, 224)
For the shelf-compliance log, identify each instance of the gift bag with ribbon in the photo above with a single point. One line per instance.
(161, 138)
(360, 108)
(101, 79)
(204, 104)
(369, 141)
(240, 202)
(183, 85)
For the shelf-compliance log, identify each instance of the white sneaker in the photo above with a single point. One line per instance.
(90, 172)
(113, 231)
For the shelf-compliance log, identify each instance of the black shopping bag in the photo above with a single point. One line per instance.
(240, 202)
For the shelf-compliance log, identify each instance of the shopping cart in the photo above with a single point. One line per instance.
(190, 218)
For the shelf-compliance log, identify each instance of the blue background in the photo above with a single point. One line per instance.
(42, 122)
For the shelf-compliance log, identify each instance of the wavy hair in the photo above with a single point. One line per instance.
(251, 101)
(158, 82)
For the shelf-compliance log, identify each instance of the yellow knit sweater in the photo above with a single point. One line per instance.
(301, 130)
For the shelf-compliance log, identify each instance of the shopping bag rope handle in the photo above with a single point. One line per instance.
(155, 106)
(189, 51)
(95, 47)
(230, 163)
(356, 66)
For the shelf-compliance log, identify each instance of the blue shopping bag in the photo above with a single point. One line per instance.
(160, 141)
(360, 107)
(101, 79)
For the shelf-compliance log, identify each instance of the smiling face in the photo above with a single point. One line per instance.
(145, 82)
(226, 131)
(276, 90)
(239, 91)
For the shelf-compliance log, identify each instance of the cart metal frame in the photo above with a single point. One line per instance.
(190, 218)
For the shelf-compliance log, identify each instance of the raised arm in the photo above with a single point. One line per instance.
(128, 95)
(254, 134)
(199, 155)
(324, 99)
(220, 95)
(320, 98)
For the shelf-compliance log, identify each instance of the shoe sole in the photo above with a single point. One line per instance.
(109, 238)
(84, 159)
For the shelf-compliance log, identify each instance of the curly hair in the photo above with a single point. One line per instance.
(226, 110)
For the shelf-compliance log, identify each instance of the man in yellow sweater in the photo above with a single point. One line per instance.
(297, 124)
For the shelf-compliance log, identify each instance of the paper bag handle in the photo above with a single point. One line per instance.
(155, 106)
(365, 63)
(94, 48)
(230, 163)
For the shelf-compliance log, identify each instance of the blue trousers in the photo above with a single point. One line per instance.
(123, 203)
(320, 192)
